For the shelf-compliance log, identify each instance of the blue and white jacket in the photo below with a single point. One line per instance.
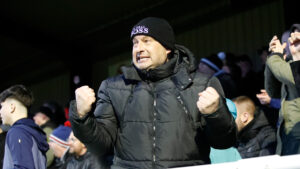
(25, 146)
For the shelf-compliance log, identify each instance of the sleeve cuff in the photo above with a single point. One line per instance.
(74, 113)
(276, 53)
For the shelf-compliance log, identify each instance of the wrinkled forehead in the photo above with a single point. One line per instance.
(142, 37)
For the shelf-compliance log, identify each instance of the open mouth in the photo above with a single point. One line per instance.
(141, 59)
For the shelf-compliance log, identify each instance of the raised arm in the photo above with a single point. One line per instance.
(97, 131)
(278, 66)
(220, 126)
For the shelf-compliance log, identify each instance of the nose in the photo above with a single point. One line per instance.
(139, 46)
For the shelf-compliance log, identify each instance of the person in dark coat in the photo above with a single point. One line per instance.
(295, 65)
(59, 145)
(81, 158)
(48, 117)
(249, 84)
(160, 112)
(212, 66)
(256, 137)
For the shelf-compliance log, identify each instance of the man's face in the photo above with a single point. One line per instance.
(57, 149)
(5, 112)
(203, 68)
(238, 122)
(147, 53)
(264, 56)
(39, 118)
(76, 146)
(238, 119)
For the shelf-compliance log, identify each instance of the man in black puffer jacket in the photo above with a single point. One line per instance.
(256, 136)
(160, 113)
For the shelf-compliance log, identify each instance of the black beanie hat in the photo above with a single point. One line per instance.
(157, 28)
(51, 109)
(47, 111)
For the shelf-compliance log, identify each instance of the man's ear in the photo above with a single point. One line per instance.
(244, 117)
(168, 51)
(12, 107)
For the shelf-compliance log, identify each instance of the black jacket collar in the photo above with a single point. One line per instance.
(252, 129)
(179, 68)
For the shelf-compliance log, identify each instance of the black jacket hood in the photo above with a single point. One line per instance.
(251, 130)
(35, 131)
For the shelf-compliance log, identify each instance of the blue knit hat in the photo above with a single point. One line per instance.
(60, 135)
(213, 62)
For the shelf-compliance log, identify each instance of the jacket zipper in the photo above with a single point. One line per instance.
(154, 127)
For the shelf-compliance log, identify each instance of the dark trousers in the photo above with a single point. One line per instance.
(291, 141)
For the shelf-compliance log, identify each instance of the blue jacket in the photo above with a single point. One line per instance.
(25, 146)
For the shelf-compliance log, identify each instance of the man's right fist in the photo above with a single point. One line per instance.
(275, 45)
(85, 97)
(295, 45)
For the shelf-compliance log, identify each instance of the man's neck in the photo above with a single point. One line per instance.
(21, 116)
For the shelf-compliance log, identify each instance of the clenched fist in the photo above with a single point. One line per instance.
(85, 97)
(276, 46)
(208, 101)
(295, 45)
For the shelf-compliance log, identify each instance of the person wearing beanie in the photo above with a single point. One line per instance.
(212, 66)
(26, 143)
(157, 28)
(60, 136)
(79, 157)
(45, 119)
(59, 145)
(50, 111)
(160, 112)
